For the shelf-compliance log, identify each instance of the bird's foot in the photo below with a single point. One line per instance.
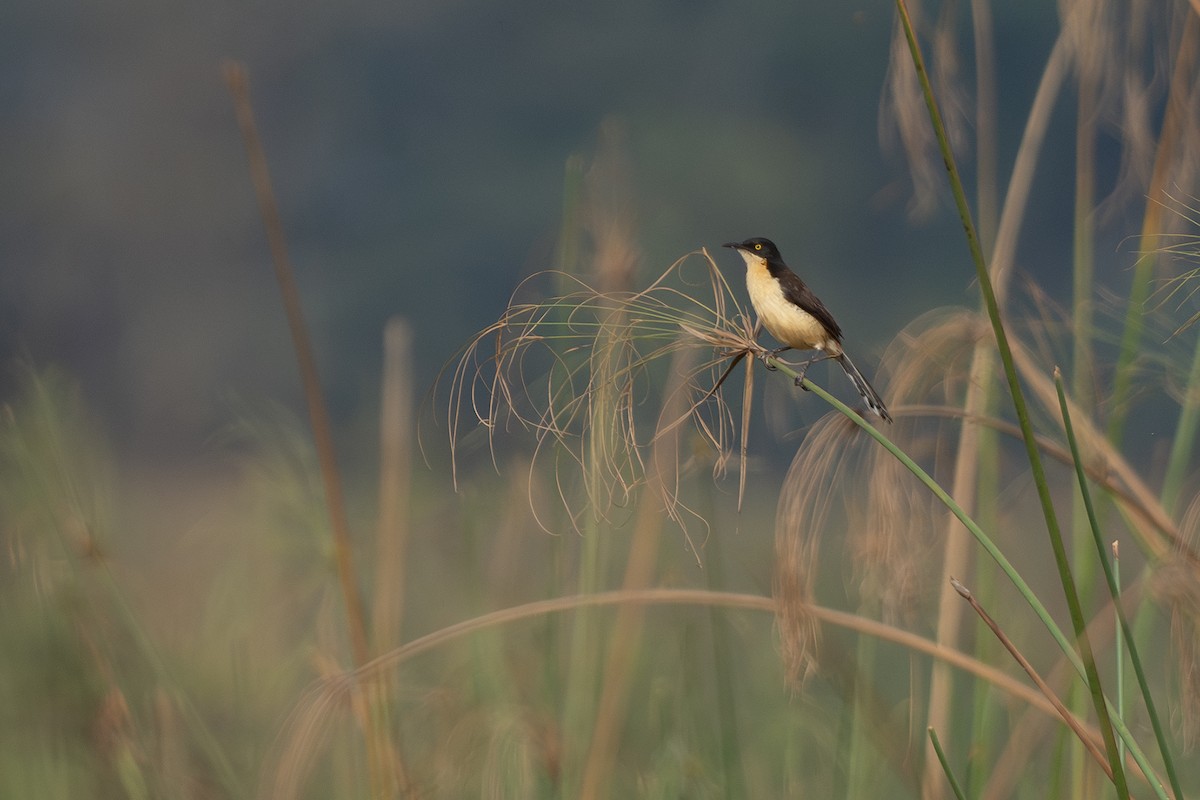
(772, 354)
(803, 371)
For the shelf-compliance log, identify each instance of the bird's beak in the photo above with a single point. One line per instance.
(734, 245)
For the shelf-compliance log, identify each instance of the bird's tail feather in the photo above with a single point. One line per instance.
(864, 387)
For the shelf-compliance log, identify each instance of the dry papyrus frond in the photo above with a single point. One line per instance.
(585, 373)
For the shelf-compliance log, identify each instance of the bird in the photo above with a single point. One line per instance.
(796, 317)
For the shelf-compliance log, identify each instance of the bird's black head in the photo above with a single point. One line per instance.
(763, 248)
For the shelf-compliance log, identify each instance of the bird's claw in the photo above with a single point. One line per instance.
(803, 372)
(764, 358)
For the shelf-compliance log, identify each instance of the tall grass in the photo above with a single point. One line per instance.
(601, 610)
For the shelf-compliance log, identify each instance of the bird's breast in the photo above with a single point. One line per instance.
(783, 319)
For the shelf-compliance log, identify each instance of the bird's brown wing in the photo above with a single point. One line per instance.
(797, 291)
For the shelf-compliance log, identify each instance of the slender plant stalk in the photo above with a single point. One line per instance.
(1084, 261)
(579, 705)
(684, 597)
(235, 76)
(582, 212)
(986, 117)
(1073, 723)
(1114, 588)
(395, 484)
(393, 525)
(1018, 398)
(986, 463)
(574, 646)
(620, 658)
(625, 639)
(976, 459)
(1081, 338)
(724, 650)
(379, 752)
(1028, 734)
(1084, 264)
(569, 252)
(747, 404)
(1119, 643)
(941, 757)
(956, 551)
(862, 762)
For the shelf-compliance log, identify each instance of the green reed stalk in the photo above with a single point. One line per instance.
(937, 748)
(1022, 411)
(1114, 588)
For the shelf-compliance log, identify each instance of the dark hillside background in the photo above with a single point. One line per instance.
(418, 151)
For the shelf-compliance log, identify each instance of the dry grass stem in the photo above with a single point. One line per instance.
(1033, 731)
(311, 723)
(395, 480)
(1074, 724)
(236, 77)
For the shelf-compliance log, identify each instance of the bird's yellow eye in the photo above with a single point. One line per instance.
(758, 247)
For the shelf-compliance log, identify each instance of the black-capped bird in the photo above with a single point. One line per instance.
(797, 317)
